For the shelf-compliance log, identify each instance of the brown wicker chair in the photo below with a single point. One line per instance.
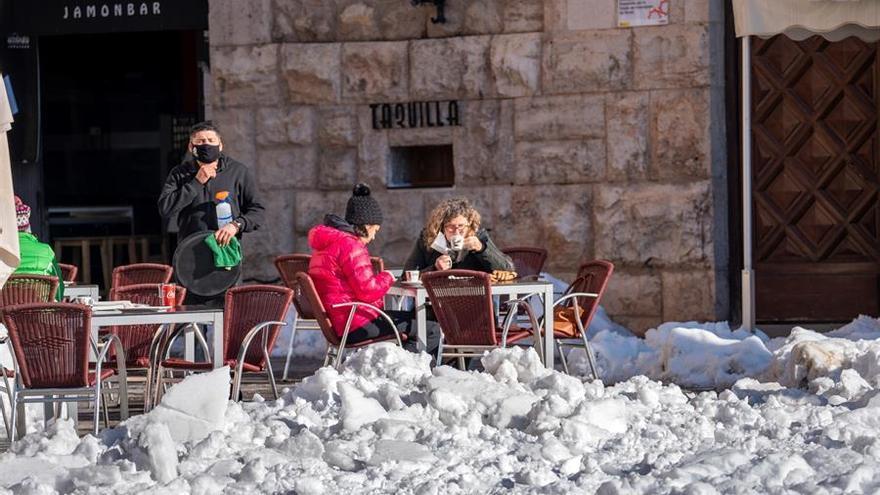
(250, 310)
(583, 295)
(141, 273)
(462, 301)
(335, 344)
(141, 342)
(288, 266)
(23, 289)
(68, 272)
(378, 264)
(528, 261)
(50, 344)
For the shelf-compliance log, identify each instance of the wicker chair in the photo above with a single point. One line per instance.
(335, 344)
(250, 310)
(378, 264)
(22, 289)
(141, 273)
(68, 272)
(583, 295)
(528, 261)
(50, 348)
(141, 342)
(288, 266)
(462, 301)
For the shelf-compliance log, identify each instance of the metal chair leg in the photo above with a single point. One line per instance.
(290, 344)
(562, 357)
(591, 358)
(97, 407)
(461, 363)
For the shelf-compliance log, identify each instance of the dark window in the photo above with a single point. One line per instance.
(421, 166)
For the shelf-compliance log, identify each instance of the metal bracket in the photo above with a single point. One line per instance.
(439, 4)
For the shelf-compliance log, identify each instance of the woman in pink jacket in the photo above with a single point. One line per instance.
(342, 272)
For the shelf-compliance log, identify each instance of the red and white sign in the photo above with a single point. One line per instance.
(631, 13)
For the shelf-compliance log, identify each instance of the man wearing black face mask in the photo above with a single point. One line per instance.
(187, 198)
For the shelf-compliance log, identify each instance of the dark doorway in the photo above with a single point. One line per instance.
(112, 107)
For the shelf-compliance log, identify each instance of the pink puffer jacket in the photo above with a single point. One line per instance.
(341, 270)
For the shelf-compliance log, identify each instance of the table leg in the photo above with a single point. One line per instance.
(421, 320)
(189, 344)
(217, 341)
(548, 327)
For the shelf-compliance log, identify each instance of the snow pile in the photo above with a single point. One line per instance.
(388, 423)
(695, 355)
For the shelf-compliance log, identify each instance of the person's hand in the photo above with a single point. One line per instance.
(225, 234)
(443, 263)
(473, 243)
(206, 173)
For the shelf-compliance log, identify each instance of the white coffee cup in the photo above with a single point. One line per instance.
(457, 242)
(411, 276)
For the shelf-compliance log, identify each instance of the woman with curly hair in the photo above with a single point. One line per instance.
(453, 238)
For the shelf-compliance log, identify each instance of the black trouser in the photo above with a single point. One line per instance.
(405, 323)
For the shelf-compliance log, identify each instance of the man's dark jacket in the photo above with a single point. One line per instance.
(191, 205)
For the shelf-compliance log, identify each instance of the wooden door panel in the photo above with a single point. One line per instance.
(815, 178)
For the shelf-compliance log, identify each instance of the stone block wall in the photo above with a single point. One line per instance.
(591, 140)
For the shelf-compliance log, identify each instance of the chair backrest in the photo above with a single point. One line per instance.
(24, 289)
(593, 277)
(527, 261)
(378, 264)
(68, 272)
(141, 273)
(136, 339)
(51, 343)
(462, 302)
(288, 266)
(246, 307)
(318, 312)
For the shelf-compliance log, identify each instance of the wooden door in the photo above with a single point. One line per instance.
(816, 170)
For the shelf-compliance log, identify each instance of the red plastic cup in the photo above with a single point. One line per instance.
(168, 294)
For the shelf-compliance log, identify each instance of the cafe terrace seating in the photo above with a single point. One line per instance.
(141, 342)
(462, 301)
(141, 273)
(68, 272)
(335, 344)
(51, 344)
(250, 311)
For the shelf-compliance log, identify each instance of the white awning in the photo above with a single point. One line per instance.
(9, 254)
(799, 19)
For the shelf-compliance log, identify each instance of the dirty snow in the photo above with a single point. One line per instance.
(793, 415)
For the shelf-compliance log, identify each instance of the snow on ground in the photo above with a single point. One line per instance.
(800, 415)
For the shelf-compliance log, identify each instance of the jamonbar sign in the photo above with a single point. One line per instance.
(97, 16)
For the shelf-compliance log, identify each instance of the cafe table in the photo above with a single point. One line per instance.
(108, 316)
(513, 289)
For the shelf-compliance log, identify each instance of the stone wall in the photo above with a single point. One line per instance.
(590, 140)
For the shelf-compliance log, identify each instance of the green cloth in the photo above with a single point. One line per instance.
(37, 258)
(225, 256)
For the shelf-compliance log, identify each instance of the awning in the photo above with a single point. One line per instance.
(799, 19)
(9, 254)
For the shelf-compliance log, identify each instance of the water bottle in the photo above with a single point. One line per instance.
(224, 209)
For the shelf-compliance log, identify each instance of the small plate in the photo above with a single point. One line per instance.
(411, 282)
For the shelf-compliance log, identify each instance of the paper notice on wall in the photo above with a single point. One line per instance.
(631, 13)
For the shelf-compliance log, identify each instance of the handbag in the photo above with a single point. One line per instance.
(565, 321)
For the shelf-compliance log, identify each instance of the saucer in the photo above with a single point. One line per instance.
(411, 282)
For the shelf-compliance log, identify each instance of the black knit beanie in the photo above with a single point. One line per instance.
(362, 209)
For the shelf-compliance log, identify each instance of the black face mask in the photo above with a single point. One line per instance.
(207, 153)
